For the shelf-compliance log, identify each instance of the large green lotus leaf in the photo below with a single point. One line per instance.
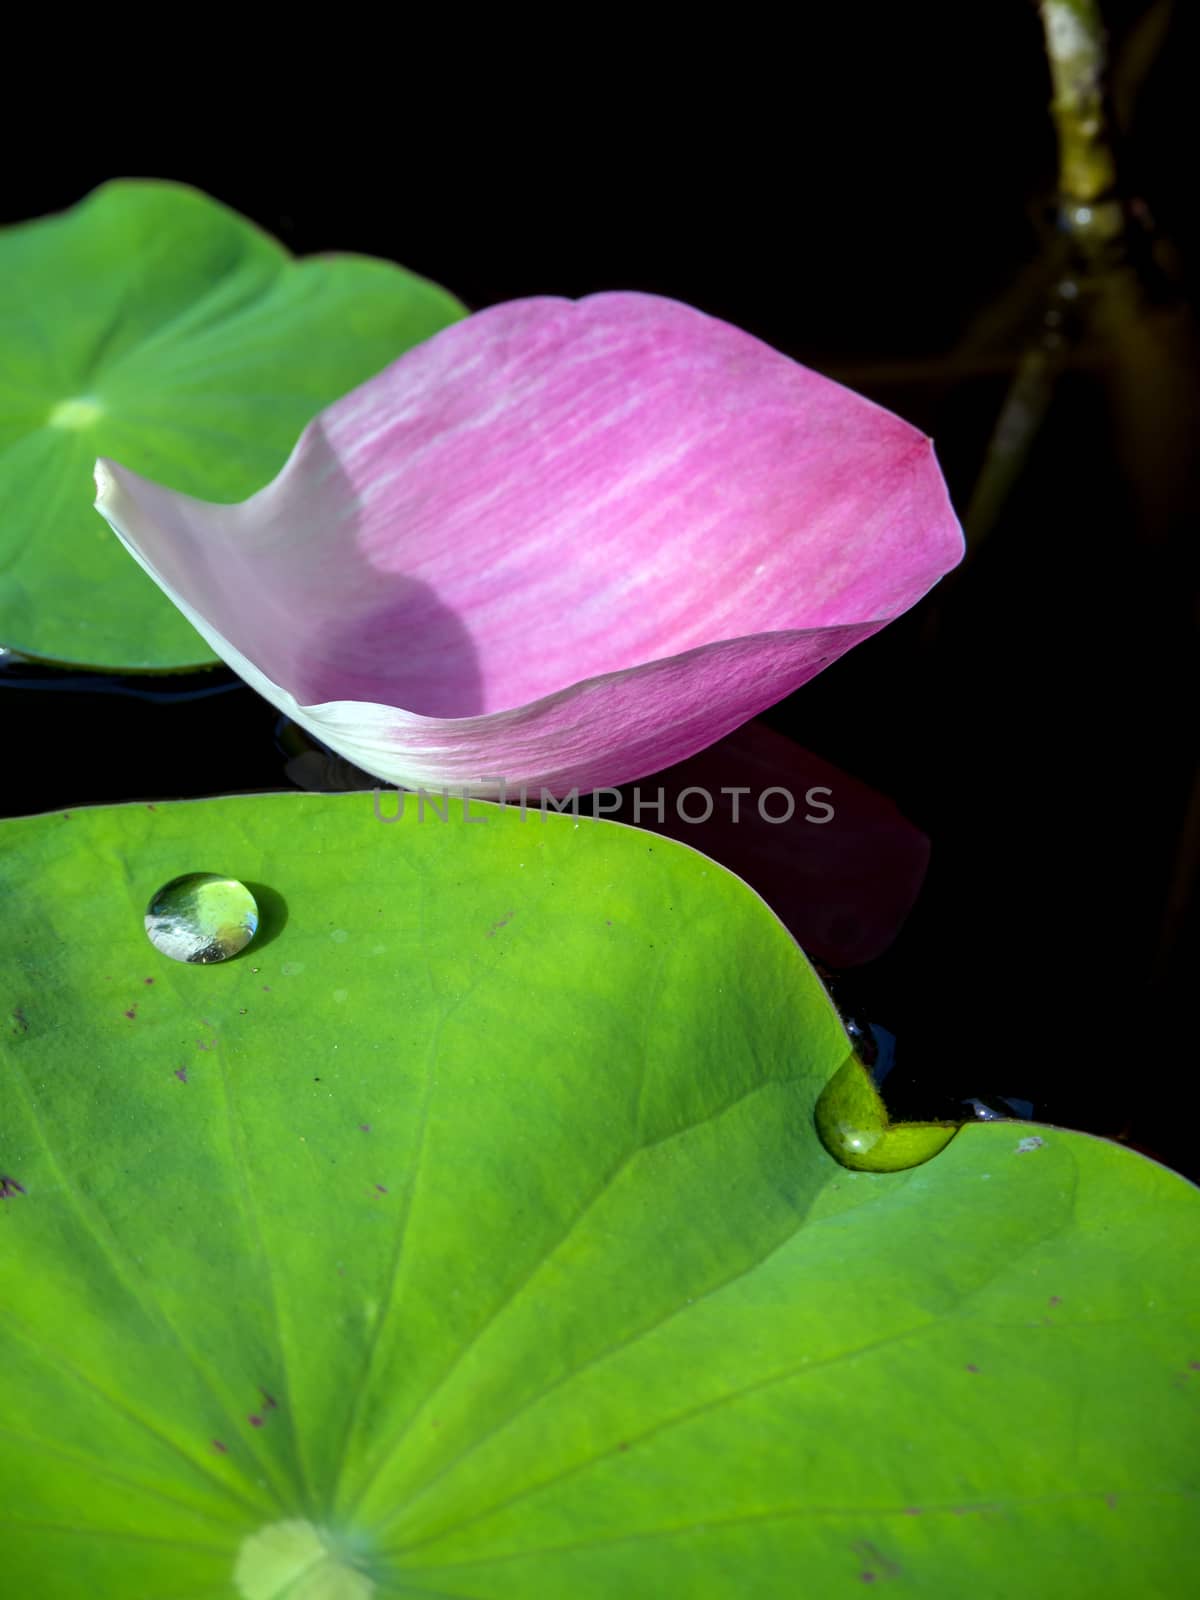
(152, 325)
(470, 1235)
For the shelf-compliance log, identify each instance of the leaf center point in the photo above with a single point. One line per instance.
(298, 1560)
(80, 412)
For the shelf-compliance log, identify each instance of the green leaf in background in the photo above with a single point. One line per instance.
(470, 1235)
(152, 325)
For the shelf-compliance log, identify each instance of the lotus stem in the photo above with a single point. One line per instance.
(1076, 46)
(1092, 216)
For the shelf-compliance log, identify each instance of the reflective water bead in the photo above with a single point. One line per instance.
(201, 917)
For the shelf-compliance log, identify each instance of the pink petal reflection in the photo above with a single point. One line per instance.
(843, 884)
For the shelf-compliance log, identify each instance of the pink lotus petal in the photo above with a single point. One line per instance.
(561, 543)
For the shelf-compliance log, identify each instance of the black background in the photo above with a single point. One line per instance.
(857, 196)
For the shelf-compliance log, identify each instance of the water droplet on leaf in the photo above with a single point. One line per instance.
(201, 917)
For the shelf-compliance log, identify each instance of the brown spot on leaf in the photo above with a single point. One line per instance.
(217, 1445)
(971, 1367)
(254, 1420)
(147, 980)
(1055, 1300)
(149, 807)
(364, 1127)
(132, 1013)
(9, 1186)
(269, 1401)
(181, 1074)
(876, 1564)
(381, 1189)
(21, 1020)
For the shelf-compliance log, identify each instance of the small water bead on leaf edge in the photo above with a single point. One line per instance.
(201, 918)
(853, 1124)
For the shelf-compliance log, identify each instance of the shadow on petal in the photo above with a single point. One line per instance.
(372, 634)
(409, 649)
